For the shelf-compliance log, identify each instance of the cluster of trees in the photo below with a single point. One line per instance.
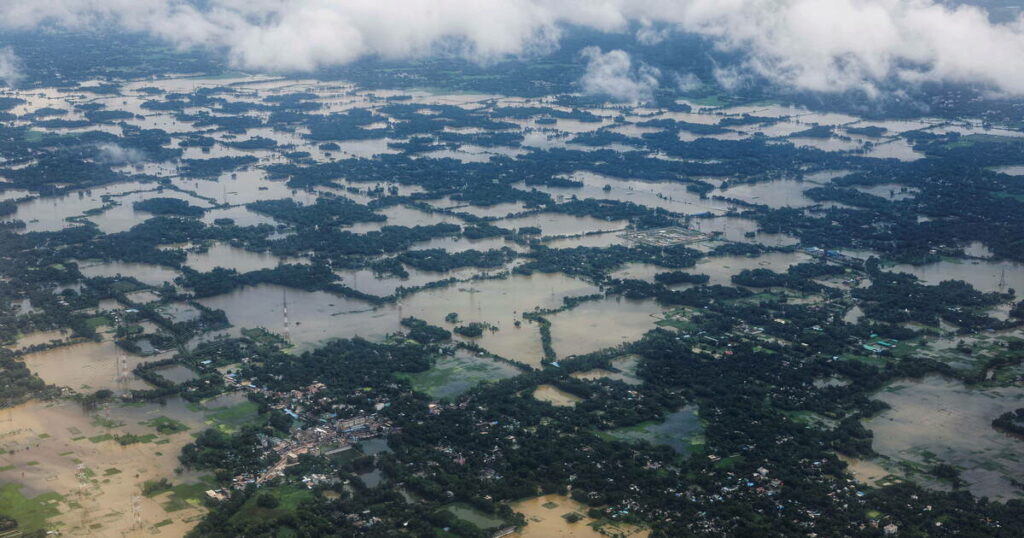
(425, 333)
(898, 297)
(798, 277)
(441, 260)
(1010, 421)
(168, 206)
(671, 278)
(18, 383)
(596, 263)
(327, 211)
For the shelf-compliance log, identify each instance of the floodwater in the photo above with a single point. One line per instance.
(941, 417)
(499, 302)
(720, 269)
(313, 316)
(230, 257)
(638, 271)
(897, 148)
(382, 286)
(736, 229)
(561, 224)
(681, 430)
(595, 325)
(317, 316)
(598, 240)
(477, 296)
(122, 217)
(984, 275)
(48, 214)
(455, 244)
(555, 396)
(774, 194)
(453, 375)
(176, 373)
(853, 315)
(179, 312)
(866, 472)
(627, 371)
(669, 195)
(57, 447)
(398, 215)
(466, 512)
(544, 519)
(40, 337)
(85, 367)
(889, 191)
(243, 187)
(240, 215)
(154, 275)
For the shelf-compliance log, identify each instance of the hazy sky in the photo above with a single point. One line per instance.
(818, 45)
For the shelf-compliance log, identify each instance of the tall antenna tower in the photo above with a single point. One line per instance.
(123, 375)
(1002, 279)
(284, 302)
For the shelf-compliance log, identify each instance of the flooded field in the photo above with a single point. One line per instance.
(742, 230)
(229, 257)
(555, 396)
(153, 275)
(596, 325)
(70, 464)
(721, 269)
(77, 478)
(681, 430)
(774, 194)
(466, 512)
(559, 224)
(626, 367)
(545, 518)
(176, 373)
(499, 303)
(672, 196)
(988, 276)
(37, 338)
(936, 420)
(868, 472)
(455, 374)
(314, 316)
(85, 367)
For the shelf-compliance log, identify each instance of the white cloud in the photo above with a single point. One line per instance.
(115, 154)
(819, 45)
(687, 82)
(648, 34)
(612, 74)
(10, 67)
(731, 77)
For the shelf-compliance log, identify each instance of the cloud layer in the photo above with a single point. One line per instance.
(818, 45)
(10, 67)
(612, 74)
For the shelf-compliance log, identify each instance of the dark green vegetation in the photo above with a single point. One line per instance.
(1011, 421)
(717, 437)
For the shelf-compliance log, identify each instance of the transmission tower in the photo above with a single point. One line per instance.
(284, 302)
(123, 373)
